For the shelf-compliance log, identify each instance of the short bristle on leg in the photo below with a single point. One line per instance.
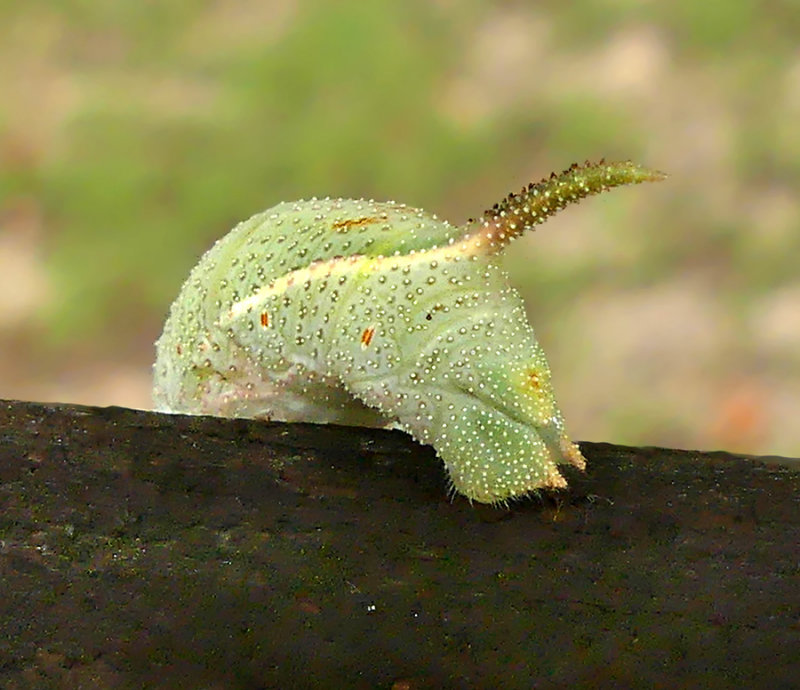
(534, 204)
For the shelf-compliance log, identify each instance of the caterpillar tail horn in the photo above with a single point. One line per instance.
(534, 204)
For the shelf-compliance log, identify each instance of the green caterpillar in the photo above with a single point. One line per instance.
(374, 314)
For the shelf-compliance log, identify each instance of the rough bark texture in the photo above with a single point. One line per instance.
(147, 550)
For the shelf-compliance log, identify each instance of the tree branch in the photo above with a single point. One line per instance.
(140, 549)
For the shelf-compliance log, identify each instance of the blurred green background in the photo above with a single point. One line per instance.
(133, 134)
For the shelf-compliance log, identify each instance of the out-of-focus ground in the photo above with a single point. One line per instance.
(134, 134)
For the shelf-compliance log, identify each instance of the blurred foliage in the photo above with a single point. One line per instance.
(140, 132)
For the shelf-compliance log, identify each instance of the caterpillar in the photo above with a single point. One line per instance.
(377, 314)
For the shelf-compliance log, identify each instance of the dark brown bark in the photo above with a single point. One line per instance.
(148, 550)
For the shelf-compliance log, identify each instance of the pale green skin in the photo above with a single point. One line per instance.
(371, 314)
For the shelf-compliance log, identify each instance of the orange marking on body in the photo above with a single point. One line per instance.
(345, 225)
(264, 319)
(533, 381)
(179, 349)
(366, 336)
